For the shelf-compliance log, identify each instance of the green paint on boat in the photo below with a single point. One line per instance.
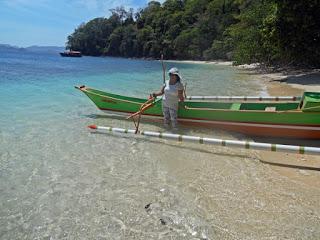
(305, 112)
(301, 150)
(311, 102)
(253, 112)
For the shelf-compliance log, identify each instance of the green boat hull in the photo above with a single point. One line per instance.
(297, 119)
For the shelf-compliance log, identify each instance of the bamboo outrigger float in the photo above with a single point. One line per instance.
(215, 141)
(285, 118)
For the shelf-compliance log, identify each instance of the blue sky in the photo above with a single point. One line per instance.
(49, 22)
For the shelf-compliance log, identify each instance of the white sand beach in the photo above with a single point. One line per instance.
(303, 169)
(300, 79)
(217, 62)
(291, 81)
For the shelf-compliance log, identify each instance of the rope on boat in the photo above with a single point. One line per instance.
(215, 141)
(245, 98)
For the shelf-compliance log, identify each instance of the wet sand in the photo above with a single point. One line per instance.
(260, 191)
(304, 169)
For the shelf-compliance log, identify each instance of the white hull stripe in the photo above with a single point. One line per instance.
(260, 125)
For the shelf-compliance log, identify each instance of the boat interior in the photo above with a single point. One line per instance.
(236, 106)
(309, 102)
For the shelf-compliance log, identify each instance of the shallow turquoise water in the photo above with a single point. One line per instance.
(59, 181)
(40, 86)
(38, 89)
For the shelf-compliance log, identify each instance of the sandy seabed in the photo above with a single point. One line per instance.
(302, 168)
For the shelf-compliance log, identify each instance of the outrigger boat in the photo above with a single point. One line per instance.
(291, 117)
(71, 54)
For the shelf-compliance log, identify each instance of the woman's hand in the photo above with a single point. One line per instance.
(156, 94)
(180, 95)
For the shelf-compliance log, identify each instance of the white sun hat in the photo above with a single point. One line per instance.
(175, 71)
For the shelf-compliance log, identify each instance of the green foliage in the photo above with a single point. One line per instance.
(253, 36)
(245, 31)
(298, 27)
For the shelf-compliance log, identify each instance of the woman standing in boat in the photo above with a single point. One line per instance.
(172, 92)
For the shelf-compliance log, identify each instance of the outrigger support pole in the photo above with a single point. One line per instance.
(149, 103)
(215, 141)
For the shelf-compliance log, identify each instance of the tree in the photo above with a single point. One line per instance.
(245, 31)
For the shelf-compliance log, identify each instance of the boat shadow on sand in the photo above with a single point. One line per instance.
(183, 129)
(287, 141)
(200, 130)
(187, 129)
(156, 141)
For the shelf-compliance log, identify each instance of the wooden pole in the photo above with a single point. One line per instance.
(163, 70)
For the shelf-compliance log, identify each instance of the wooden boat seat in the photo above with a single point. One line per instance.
(235, 106)
(270, 109)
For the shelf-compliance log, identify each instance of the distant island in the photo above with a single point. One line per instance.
(10, 47)
(265, 31)
(53, 49)
(47, 49)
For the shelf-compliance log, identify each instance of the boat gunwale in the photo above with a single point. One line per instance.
(115, 98)
(199, 109)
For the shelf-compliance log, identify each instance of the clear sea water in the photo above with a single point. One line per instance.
(59, 181)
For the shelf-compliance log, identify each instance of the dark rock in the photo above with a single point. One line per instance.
(163, 222)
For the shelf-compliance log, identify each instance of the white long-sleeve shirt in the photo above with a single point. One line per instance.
(170, 97)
